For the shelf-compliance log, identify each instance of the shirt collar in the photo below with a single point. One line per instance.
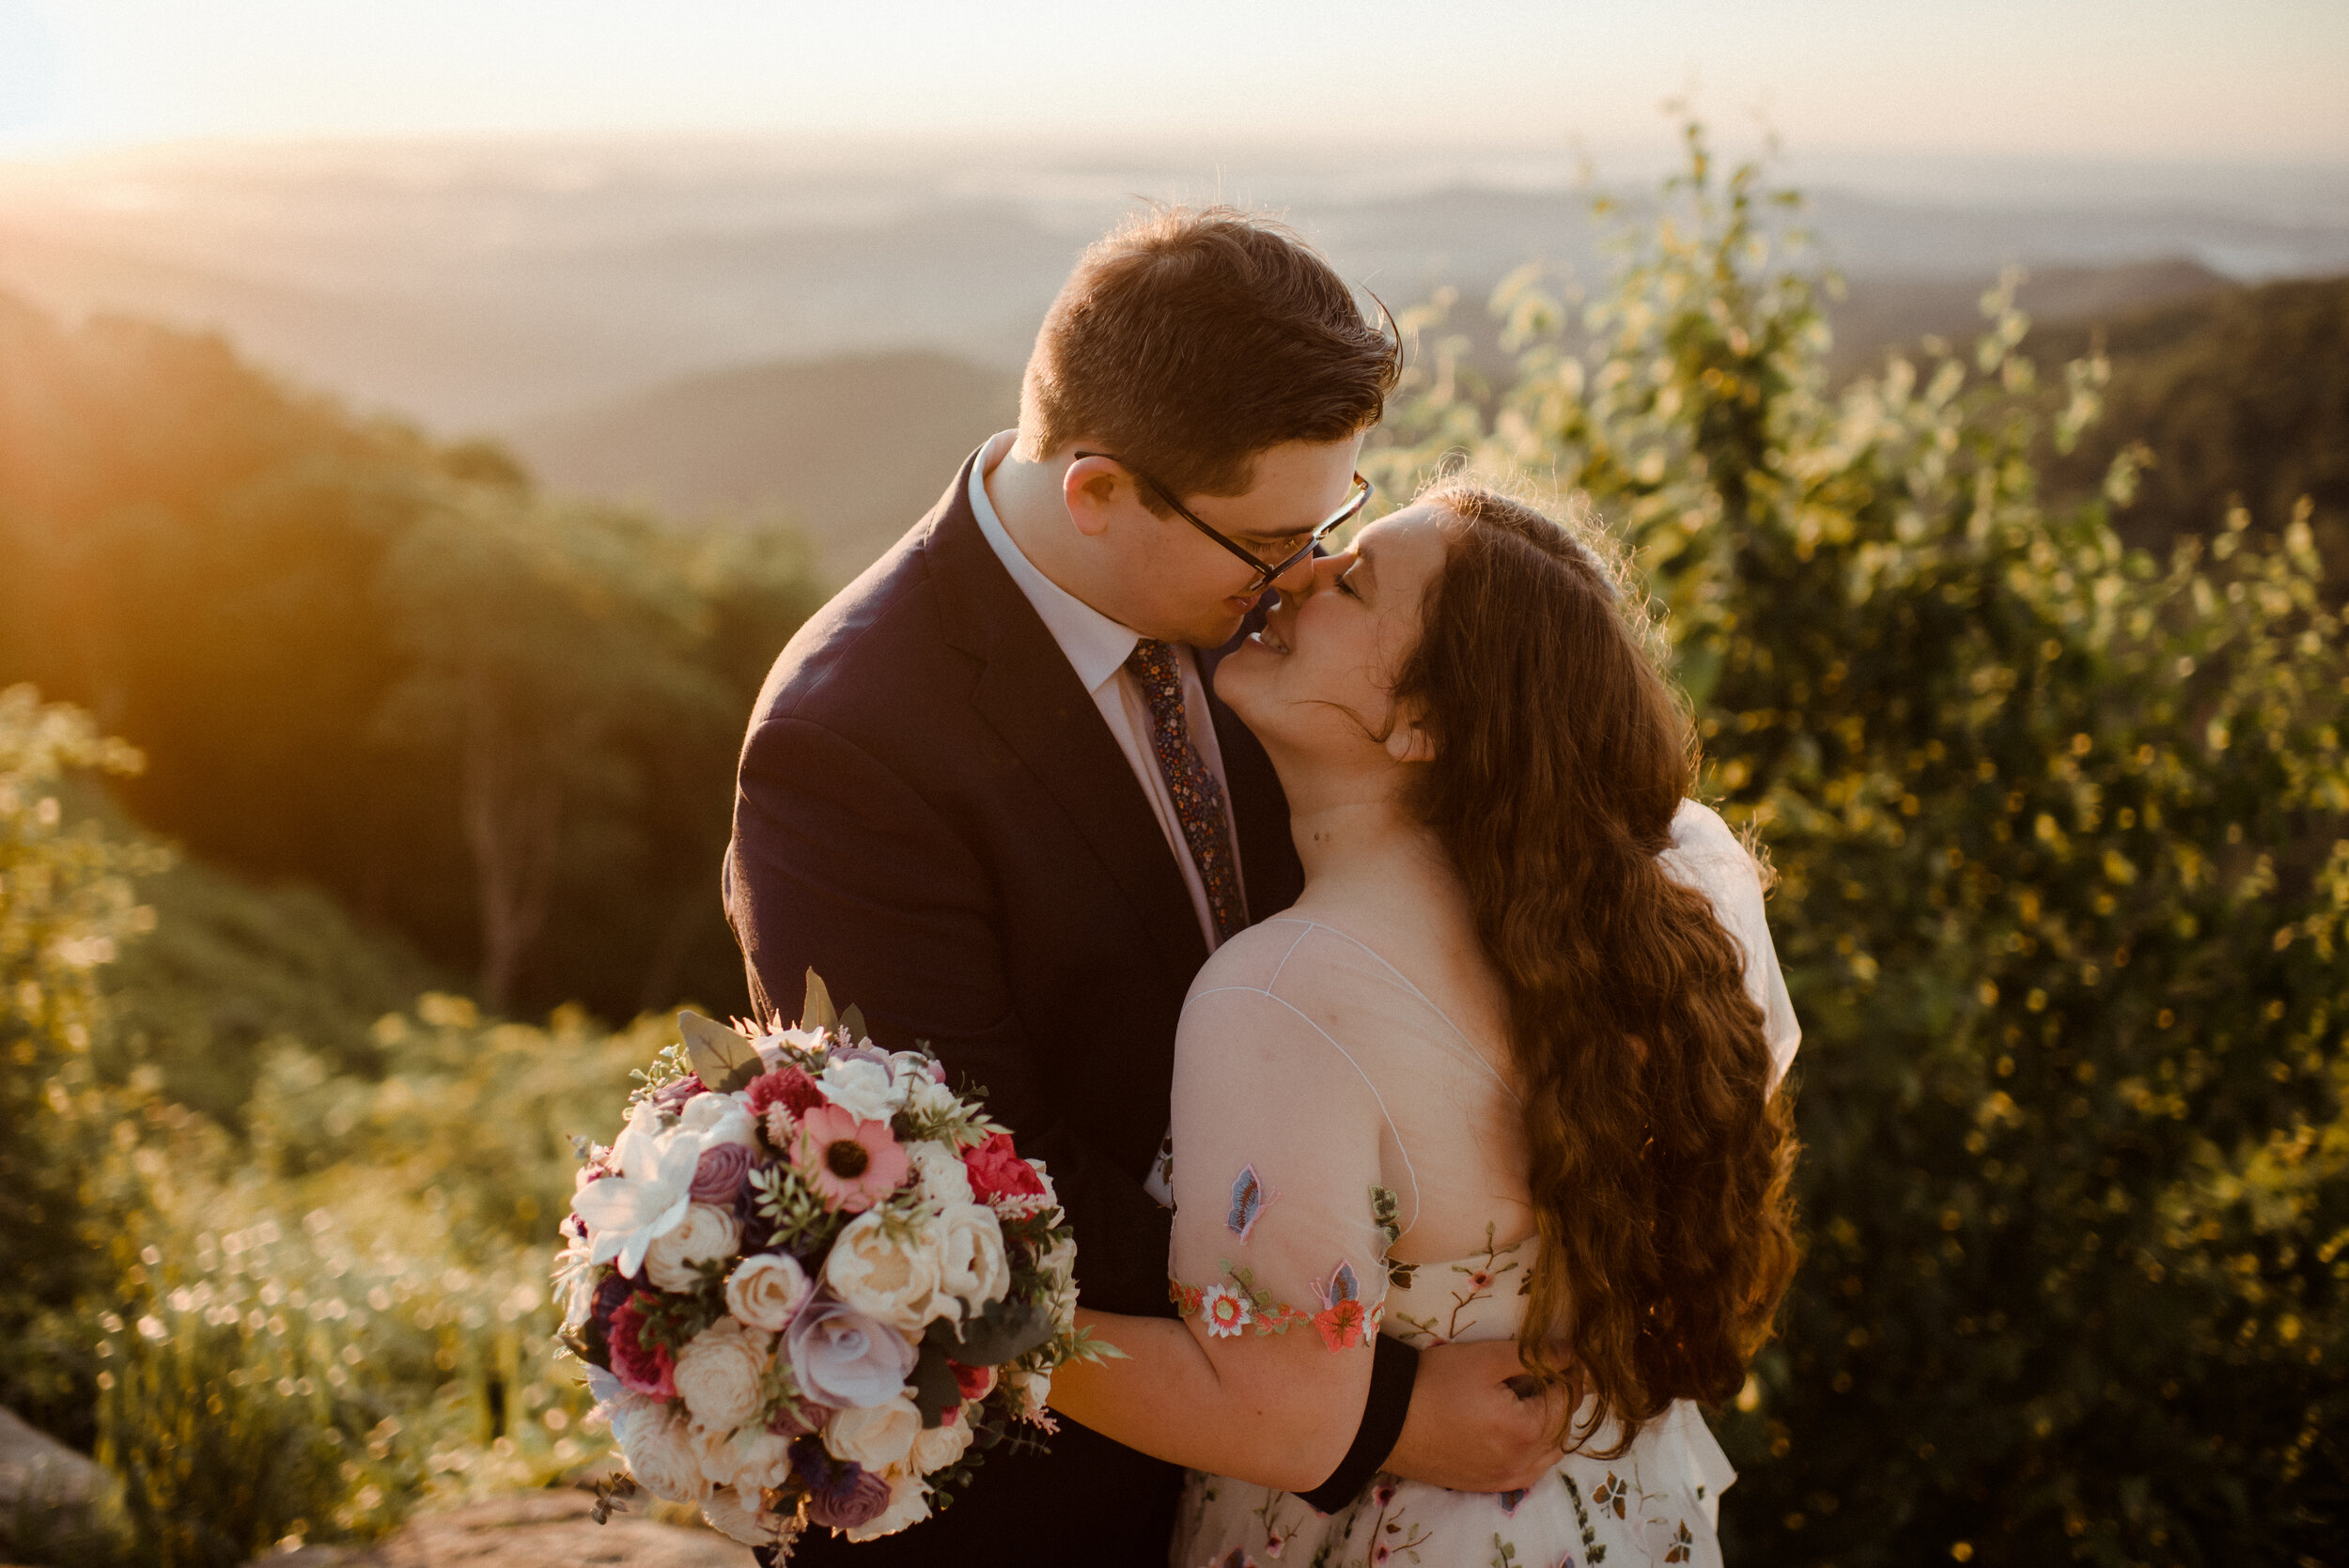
(1096, 645)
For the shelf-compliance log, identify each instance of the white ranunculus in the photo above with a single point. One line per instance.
(972, 1267)
(627, 1212)
(765, 1289)
(750, 1523)
(665, 1456)
(620, 1405)
(721, 1374)
(927, 1098)
(908, 1504)
(749, 1460)
(707, 1231)
(887, 1276)
(941, 1446)
(780, 1048)
(878, 1437)
(717, 1119)
(863, 1087)
(1031, 1391)
(944, 1181)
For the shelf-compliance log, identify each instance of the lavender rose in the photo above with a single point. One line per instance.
(846, 1360)
(720, 1175)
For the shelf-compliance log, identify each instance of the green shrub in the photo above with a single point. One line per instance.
(2063, 872)
(65, 905)
(324, 1325)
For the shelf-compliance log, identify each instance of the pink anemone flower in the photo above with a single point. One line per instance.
(851, 1163)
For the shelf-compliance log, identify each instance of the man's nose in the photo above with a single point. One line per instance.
(1299, 579)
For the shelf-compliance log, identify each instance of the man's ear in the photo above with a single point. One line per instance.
(1408, 743)
(1089, 488)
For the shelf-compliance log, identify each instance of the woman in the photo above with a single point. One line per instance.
(1499, 1072)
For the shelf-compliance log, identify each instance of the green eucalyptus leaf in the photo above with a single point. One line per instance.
(816, 1011)
(934, 1385)
(999, 1332)
(724, 1060)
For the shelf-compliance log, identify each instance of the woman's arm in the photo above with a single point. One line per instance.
(1277, 1261)
(1278, 1410)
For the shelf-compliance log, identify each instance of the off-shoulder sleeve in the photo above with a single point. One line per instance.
(1281, 1225)
(1706, 856)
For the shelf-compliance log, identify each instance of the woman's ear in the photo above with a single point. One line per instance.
(1408, 743)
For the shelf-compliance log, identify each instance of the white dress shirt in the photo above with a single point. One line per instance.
(1097, 648)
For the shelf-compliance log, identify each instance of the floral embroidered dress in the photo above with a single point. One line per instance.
(1348, 1160)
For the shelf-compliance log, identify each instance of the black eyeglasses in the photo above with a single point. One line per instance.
(1356, 499)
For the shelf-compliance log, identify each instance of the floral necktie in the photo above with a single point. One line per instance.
(1198, 796)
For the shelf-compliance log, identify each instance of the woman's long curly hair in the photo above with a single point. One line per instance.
(1661, 1156)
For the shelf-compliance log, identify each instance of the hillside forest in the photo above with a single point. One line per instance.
(362, 800)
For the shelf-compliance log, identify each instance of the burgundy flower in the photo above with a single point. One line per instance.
(996, 1171)
(841, 1493)
(718, 1176)
(611, 1296)
(648, 1369)
(669, 1097)
(786, 1086)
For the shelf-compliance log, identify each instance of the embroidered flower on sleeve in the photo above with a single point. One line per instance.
(1250, 1198)
(1341, 1319)
(1345, 1322)
(1227, 1310)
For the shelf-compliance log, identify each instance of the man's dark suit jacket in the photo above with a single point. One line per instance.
(931, 814)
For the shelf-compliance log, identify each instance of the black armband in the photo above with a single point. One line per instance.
(1394, 1369)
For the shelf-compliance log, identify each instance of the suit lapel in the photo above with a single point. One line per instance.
(1028, 693)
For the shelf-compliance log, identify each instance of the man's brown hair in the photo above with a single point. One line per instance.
(1191, 339)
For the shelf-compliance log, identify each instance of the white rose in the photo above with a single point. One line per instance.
(728, 1515)
(665, 1456)
(883, 1276)
(749, 1461)
(721, 1374)
(707, 1231)
(864, 1089)
(941, 1446)
(908, 1504)
(765, 1289)
(944, 1181)
(876, 1437)
(716, 1119)
(972, 1267)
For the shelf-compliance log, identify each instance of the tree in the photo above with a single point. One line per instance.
(2063, 872)
(502, 725)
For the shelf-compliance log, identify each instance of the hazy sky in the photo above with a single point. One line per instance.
(2219, 80)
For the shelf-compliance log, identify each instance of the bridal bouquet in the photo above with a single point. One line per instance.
(811, 1282)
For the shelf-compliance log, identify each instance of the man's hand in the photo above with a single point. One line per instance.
(1469, 1430)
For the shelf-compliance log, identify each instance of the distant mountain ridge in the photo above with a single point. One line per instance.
(855, 448)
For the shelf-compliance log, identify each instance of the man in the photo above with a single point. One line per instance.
(989, 795)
